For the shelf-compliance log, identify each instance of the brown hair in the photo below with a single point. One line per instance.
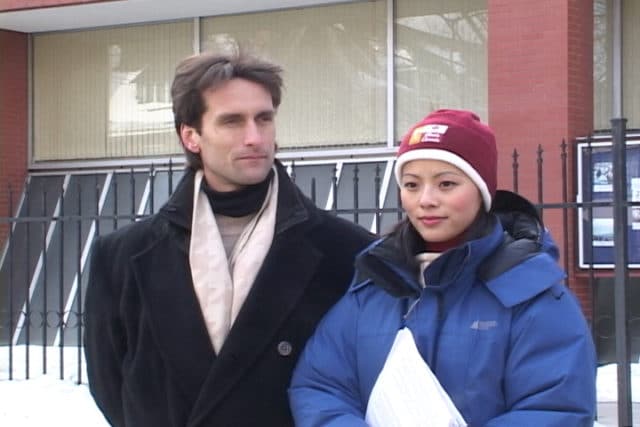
(208, 70)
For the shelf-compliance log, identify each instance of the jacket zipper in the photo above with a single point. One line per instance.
(410, 305)
(436, 341)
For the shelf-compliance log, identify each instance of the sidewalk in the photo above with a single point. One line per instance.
(608, 414)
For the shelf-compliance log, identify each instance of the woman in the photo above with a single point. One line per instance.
(473, 275)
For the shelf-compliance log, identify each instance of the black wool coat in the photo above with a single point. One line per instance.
(150, 361)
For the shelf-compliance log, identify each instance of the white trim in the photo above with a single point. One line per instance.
(607, 137)
(603, 141)
(329, 205)
(616, 62)
(16, 213)
(136, 12)
(331, 161)
(391, 119)
(178, 161)
(111, 164)
(145, 195)
(30, 99)
(197, 44)
(346, 153)
(384, 188)
(83, 260)
(39, 265)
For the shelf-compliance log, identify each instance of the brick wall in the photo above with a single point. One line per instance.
(541, 93)
(13, 119)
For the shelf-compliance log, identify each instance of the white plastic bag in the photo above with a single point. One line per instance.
(407, 393)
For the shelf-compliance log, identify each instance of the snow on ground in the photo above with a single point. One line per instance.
(607, 385)
(45, 399)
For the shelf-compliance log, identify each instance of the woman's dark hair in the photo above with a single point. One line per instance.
(198, 73)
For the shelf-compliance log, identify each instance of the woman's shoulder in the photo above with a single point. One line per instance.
(383, 267)
(524, 280)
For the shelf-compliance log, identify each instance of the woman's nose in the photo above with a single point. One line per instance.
(428, 196)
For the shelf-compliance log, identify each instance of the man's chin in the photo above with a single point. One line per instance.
(256, 178)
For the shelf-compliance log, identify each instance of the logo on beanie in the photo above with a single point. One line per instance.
(427, 133)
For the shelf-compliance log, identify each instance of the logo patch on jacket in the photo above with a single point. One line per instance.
(483, 325)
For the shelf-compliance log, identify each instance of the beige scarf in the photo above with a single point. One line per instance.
(222, 284)
(424, 259)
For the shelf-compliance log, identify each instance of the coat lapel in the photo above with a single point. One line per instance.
(287, 270)
(176, 321)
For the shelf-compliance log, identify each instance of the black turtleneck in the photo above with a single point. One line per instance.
(238, 203)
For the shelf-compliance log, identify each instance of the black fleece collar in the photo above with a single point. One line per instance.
(243, 202)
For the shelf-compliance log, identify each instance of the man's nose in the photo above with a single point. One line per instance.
(253, 134)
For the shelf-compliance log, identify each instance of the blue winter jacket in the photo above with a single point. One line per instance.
(507, 342)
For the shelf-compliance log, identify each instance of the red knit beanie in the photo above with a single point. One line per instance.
(457, 137)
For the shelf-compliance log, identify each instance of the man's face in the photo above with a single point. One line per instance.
(237, 137)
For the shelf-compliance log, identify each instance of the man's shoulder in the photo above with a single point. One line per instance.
(330, 220)
(341, 234)
(129, 235)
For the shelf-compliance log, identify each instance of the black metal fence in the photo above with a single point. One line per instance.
(51, 223)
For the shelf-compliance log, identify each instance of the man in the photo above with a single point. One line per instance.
(196, 316)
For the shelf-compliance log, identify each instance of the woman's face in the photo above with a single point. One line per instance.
(440, 200)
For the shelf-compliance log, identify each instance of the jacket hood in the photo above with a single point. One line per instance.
(524, 234)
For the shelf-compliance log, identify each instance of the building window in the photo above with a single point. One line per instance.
(105, 93)
(440, 58)
(334, 59)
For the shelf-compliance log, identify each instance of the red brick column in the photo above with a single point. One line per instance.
(541, 93)
(13, 120)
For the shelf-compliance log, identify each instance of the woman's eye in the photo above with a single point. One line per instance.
(409, 185)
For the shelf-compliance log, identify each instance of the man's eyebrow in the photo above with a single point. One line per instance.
(234, 116)
(229, 116)
(268, 113)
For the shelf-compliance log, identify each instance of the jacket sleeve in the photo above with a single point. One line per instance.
(324, 390)
(104, 337)
(551, 368)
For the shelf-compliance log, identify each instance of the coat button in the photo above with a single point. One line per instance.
(284, 348)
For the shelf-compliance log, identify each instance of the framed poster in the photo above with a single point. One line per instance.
(595, 220)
